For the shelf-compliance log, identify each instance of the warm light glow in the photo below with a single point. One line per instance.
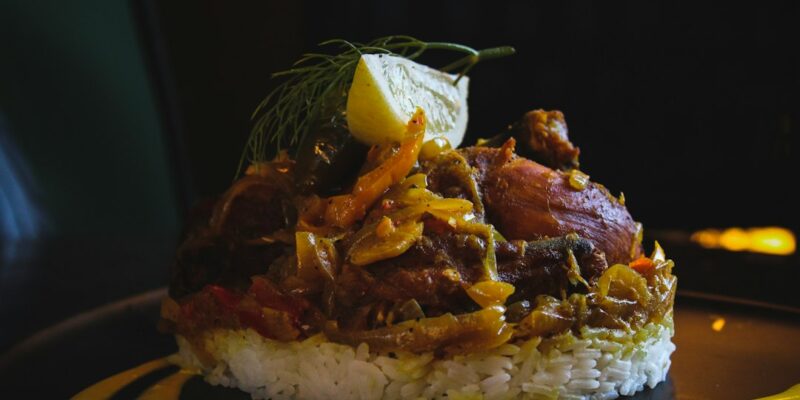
(734, 239)
(773, 241)
(770, 240)
(718, 324)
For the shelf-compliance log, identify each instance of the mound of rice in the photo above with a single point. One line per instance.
(594, 366)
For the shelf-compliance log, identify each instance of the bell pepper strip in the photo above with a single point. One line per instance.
(268, 322)
(264, 308)
(373, 248)
(226, 298)
(268, 295)
(316, 257)
(456, 334)
(344, 210)
(489, 293)
(642, 265)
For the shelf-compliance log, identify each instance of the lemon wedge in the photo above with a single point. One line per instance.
(386, 92)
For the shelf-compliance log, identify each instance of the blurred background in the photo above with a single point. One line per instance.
(117, 116)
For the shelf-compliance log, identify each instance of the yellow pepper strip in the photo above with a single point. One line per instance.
(490, 293)
(373, 248)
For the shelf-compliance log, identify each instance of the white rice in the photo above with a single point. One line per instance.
(575, 368)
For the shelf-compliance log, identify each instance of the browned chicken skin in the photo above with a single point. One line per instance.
(526, 200)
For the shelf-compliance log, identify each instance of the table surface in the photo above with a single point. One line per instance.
(43, 282)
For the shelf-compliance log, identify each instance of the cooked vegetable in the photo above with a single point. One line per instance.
(433, 148)
(489, 293)
(484, 329)
(408, 311)
(551, 316)
(621, 299)
(578, 180)
(344, 210)
(642, 265)
(373, 247)
(518, 310)
(622, 282)
(316, 257)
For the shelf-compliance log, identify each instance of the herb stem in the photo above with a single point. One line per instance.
(318, 83)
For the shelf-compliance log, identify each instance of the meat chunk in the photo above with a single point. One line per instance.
(541, 267)
(254, 206)
(544, 138)
(433, 272)
(528, 201)
(438, 269)
(222, 260)
(230, 245)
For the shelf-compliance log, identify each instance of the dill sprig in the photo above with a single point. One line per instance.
(319, 82)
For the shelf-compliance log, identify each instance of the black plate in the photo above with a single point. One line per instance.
(755, 353)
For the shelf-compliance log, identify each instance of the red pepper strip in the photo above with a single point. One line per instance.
(268, 322)
(642, 265)
(267, 319)
(268, 295)
(229, 300)
(187, 311)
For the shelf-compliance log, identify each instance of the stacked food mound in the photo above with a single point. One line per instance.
(381, 262)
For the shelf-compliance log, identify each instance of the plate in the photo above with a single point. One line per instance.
(727, 348)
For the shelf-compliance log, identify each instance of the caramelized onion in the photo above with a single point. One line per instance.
(480, 330)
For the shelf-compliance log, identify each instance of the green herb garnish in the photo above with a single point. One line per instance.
(315, 81)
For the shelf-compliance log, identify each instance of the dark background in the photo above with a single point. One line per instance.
(691, 110)
(124, 113)
(116, 116)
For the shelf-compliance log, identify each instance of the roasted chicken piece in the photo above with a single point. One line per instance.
(529, 201)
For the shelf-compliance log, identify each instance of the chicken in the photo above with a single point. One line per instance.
(528, 201)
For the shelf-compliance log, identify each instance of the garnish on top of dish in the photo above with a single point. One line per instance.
(380, 260)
